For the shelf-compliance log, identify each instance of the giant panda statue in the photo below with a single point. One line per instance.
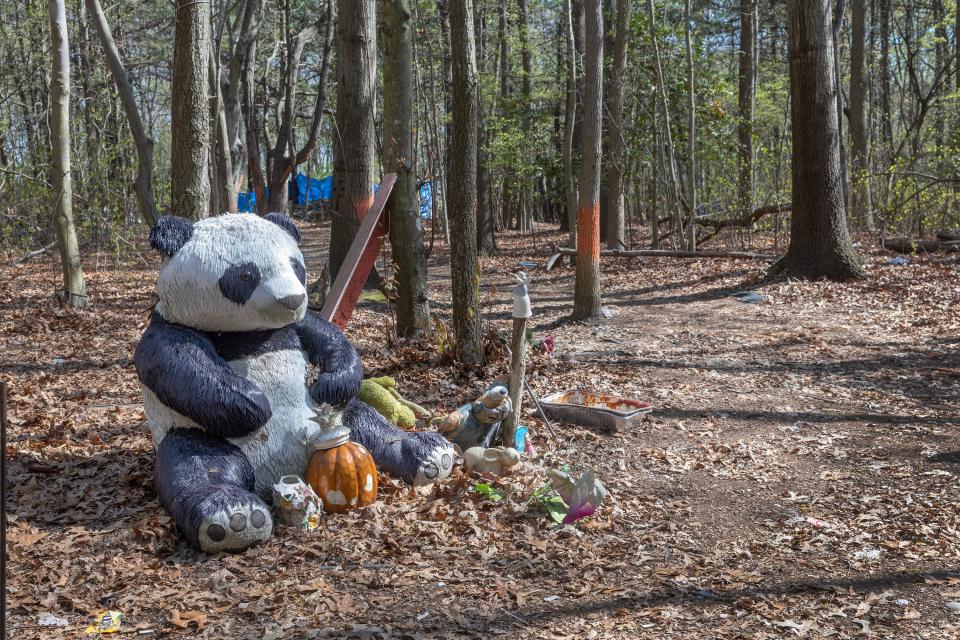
(225, 368)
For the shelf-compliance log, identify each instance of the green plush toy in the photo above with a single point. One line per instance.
(381, 394)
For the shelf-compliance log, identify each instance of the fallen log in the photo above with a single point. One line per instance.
(558, 252)
(910, 245)
(33, 253)
(743, 221)
(748, 220)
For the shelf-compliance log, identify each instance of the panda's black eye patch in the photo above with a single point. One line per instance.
(239, 282)
(298, 269)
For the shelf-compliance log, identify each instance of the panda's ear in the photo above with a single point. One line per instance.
(284, 223)
(170, 233)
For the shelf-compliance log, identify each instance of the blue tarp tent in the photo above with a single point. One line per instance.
(246, 201)
(306, 190)
(313, 190)
(301, 190)
(426, 197)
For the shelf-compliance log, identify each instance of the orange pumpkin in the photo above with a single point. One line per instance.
(345, 477)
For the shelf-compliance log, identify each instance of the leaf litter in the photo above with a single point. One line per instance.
(792, 440)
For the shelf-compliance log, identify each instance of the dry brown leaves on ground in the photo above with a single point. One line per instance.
(797, 479)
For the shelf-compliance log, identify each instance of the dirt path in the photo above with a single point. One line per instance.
(799, 477)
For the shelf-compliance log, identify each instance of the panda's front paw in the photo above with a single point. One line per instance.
(435, 466)
(233, 520)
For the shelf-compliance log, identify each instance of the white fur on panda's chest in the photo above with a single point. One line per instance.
(279, 448)
(280, 374)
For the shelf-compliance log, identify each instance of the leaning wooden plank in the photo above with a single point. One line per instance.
(356, 267)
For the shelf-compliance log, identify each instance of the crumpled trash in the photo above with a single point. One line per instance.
(749, 297)
(522, 441)
(296, 503)
(867, 554)
(105, 622)
(50, 620)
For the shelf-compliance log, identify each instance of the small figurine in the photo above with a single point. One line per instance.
(495, 460)
(296, 503)
(521, 298)
(478, 423)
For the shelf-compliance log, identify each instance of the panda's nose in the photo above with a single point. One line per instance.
(292, 302)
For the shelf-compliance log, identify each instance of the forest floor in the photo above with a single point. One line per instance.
(797, 478)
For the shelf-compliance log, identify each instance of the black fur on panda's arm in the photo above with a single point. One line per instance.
(181, 366)
(328, 348)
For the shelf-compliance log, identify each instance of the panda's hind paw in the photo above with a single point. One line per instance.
(235, 520)
(436, 466)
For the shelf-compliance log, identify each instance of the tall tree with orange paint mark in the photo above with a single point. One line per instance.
(353, 142)
(586, 300)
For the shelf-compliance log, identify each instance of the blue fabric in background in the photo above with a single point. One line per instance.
(304, 190)
(307, 190)
(246, 201)
(426, 198)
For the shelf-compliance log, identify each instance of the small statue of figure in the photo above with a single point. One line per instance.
(478, 424)
(495, 460)
(521, 297)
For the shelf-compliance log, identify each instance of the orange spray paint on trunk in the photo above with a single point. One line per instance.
(361, 207)
(588, 231)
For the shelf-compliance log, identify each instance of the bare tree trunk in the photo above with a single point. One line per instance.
(586, 299)
(237, 76)
(284, 155)
(74, 292)
(447, 88)
(143, 184)
(886, 121)
(224, 189)
(616, 157)
(525, 214)
(569, 124)
(464, 268)
(691, 135)
(503, 26)
(942, 59)
(353, 144)
(252, 137)
(862, 205)
(838, 17)
(820, 243)
(486, 226)
(746, 104)
(668, 135)
(190, 123)
(654, 186)
(406, 231)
